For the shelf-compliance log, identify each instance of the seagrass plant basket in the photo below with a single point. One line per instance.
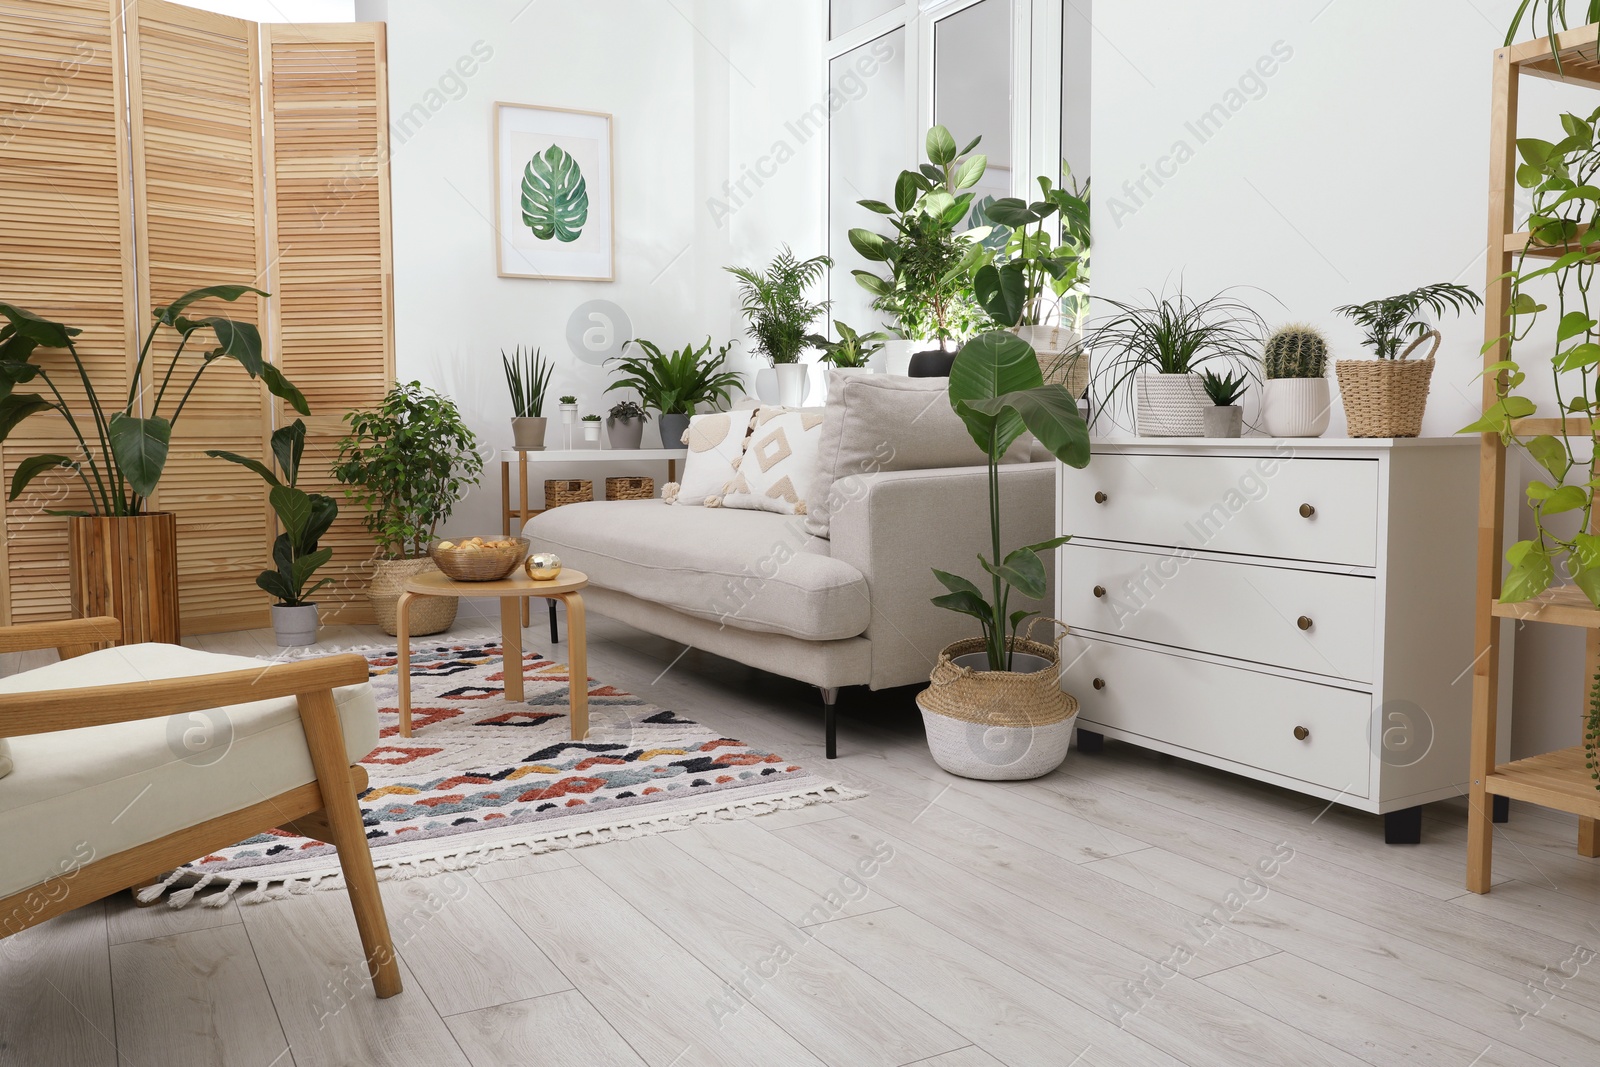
(429, 614)
(998, 725)
(1387, 397)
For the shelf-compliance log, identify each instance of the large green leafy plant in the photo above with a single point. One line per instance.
(123, 465)
(929, 259)
(999, 392)
(852, 349)
(303, 517)
(407, 463)
(774, 303)
(555, 196)
(677, 383)
(1043, 262)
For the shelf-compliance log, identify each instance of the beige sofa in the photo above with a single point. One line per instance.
(849, 609)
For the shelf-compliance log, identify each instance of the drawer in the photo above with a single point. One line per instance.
(1235, 714)
(1228, 609)
(1245, 504)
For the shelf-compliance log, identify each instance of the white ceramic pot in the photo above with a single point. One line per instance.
(896, 354)
(1223, 421)
(1295, 407)
(793, 383)
(294, 626)
(1170, 405)
(569, 414)
(591, 431)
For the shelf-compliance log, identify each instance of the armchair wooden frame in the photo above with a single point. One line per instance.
(325, 809)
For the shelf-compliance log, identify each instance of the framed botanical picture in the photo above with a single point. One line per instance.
(553, 203)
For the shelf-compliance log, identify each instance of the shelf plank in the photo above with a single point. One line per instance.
(1556, 780)
(1564, 605)
(1571, 426)
(1521, 241)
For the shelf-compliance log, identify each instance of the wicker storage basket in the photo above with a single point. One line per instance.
(429, 614)
(1061, 357)
(567, 491)
(1170, 405)
(1384, 397)
(479, 564)
(630, 488)
(998, 725)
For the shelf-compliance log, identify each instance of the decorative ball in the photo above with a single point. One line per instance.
(542, 566)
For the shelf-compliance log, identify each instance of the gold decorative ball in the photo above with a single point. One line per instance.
(542, 566)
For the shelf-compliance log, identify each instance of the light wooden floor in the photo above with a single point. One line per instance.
(1126, 910)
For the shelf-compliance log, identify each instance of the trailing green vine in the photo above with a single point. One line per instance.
(1591, 732)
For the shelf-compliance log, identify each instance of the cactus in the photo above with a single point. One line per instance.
(1295, 351)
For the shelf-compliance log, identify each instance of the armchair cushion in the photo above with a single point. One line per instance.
(78, 795)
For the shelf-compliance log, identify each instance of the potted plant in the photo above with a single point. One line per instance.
(853, 351)
(677, 383)
(1294, 397)
(1034, 282)
(527, 377)
(1002, 685)
(1150, 355)
(774, 304)
(122, 557)
(407, 463)
(625, 424)
(303, 518)
(1224, 418)
(569, 409)
(1386, 396)
(928, 291)
(591, 427)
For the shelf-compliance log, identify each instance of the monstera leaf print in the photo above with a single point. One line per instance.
(555, 196)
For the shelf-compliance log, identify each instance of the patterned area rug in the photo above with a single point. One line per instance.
(480, 780)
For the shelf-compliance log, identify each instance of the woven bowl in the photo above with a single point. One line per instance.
(479, 564)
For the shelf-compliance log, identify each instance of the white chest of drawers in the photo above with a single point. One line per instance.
(1297, 611)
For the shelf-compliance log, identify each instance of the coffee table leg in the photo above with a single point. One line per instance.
(402, 618)
(577, 667)
(511, 644)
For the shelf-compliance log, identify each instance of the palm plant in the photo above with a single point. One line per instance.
(852, 349)
(1392, 320)
(122, 467)
(527, 377)
(775, 304)
(676, 383)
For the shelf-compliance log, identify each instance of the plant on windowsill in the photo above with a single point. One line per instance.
(676, 384)
(774, 304)
(527, 378)
(1224, 418)
(1294, 396)
(122, 556)
(1386, 396)
(407, 463)
(303, 518)
(1003, 681)
(852, 351)
(625, 424)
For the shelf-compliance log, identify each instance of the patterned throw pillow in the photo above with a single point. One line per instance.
(716, 444)
(779, 462)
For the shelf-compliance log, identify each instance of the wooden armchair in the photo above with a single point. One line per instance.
(149, 682)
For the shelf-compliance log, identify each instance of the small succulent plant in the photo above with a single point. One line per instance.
(1224, 389)
(591, 418)
(569, 400)
(1295, 351)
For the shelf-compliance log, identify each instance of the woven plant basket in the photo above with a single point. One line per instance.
(1386, 397)
(998, 725)
(429, 614)
(1170, 405)
(567, 491)
(1062, 359)
(630, 488)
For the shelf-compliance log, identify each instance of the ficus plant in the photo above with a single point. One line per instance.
(122, 448)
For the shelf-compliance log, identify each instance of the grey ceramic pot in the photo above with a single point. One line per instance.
(294, 626)
(624, 433)
(672, 430)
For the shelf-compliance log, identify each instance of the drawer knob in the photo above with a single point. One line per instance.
(1099, 591)
(1307, 511)
(1301, 733)
(1099, 683)
(1100, 498)
(1304, 622)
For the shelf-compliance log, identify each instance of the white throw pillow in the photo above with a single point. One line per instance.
(5, 757)
(779, 462)
(716, 444)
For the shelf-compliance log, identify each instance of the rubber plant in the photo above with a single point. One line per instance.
(774, 303)
(1041, 270)
(999, 392)
(122, 449)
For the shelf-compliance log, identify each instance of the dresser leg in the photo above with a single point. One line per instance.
(1502, 809)
(1090, 742)
(1403, 827)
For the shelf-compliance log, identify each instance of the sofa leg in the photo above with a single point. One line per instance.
(830, 695)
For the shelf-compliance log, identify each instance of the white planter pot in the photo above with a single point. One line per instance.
(896, 354)
(591, 431)
(569, 414)
(793, 384)
(1295, 407)
(1170, 405)
(294, 626)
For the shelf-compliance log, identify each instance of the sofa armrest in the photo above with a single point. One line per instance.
(896, 526)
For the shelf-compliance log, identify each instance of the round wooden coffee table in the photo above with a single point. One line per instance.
(511, 593)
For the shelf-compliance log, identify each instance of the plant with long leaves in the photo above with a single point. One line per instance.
(1557, 268)
(407, 463)
(303, 517)
(774, 303)
(927, 291)
(122, 466)
(852, 349)
(1555, 20)
(528, 378)
(999, 392)
(1171, 334)
(1393, 320)
(1041, 272)
(677, 383)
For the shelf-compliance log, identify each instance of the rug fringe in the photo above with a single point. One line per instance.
(476, 855)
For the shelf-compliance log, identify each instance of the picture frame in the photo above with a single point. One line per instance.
(553, 193)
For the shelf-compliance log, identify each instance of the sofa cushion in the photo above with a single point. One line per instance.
(752, 570)
(779, 464)
(716, 444)
(79, 795)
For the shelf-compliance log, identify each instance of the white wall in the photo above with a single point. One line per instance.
(1350, 164)
(700, 92)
